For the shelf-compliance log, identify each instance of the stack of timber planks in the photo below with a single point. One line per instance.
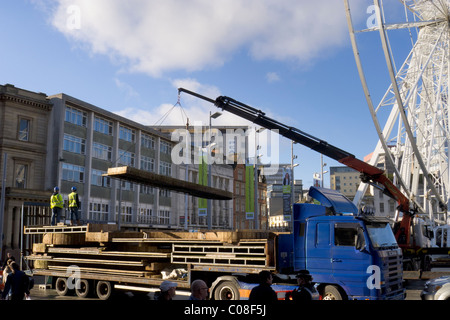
(102, 249)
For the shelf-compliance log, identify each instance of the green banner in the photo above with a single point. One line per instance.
(249, 192)
(287, 201)
(202, 180)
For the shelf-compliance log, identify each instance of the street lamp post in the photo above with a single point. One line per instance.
(293, 157)
(209, 209)
(322, 165)
(256, 177)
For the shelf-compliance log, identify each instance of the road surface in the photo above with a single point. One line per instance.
(413, 289)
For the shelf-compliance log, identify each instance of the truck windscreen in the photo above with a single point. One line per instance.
(381, 235)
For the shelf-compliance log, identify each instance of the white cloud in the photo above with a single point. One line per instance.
(189, 107)
(154, 36)
(272, 77)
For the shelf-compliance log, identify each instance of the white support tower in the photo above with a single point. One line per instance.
(412, 119)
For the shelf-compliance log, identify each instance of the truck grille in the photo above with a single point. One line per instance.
(393, 286)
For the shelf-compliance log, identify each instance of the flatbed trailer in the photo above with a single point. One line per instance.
(93, 261)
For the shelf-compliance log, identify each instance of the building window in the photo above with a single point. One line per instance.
(126, 134)
(21, 173)
(126, 212)
(391, 206)
(165, 147)
(74, 144)
(98, 211)
(127, 186)
(163, 216)
(147, 164)
(72, 173)
(240, 174)
(126, 158)
(76, 116)
(24, 129)
(101, 151)
(165, 168)
(164, 193)
(97, 179)
(145, 215)
(103, 126)
(147, 189)
(147, 141)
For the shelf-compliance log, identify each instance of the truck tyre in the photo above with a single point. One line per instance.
(61, 286)
(331, 293)
(104, 290)
(82, 288)
(226, 290)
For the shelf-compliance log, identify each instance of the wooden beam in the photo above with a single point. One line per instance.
(165, 182)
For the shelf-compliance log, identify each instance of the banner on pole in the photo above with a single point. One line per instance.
(202, 180)
(287, 205)
(249, 192)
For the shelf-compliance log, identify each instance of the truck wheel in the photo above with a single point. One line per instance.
(104, 290)
(82, 288)
(61, 286)
(331, 293)
(226, 290)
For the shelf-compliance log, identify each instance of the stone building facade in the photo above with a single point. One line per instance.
(24, 131)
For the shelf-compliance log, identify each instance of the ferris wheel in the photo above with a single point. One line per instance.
(412, 119)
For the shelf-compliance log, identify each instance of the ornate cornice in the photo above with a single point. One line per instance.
(46, 106)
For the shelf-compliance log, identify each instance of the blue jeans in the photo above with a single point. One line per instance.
(56, 214)
(74, 214)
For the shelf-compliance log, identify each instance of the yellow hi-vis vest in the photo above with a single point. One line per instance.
(73, 200)
(56, 200)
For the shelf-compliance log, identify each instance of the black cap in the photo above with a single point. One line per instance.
(304, 274)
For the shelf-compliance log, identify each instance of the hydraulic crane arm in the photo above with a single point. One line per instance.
(369, 173)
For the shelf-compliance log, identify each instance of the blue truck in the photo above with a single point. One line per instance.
(349, 256)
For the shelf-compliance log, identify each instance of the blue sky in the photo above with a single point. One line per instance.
(290, 58)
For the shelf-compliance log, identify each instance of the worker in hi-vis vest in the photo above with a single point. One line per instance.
(74, 205)
(57, 205)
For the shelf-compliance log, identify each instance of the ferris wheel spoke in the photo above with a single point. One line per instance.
(397, 26)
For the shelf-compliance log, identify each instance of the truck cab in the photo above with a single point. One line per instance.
(349, 256)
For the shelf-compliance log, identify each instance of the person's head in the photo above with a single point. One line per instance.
(168, 289)
(304, 277)
(199, 289)
(55, 189)
(265, 277)
(74, 189)
(14, 266)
